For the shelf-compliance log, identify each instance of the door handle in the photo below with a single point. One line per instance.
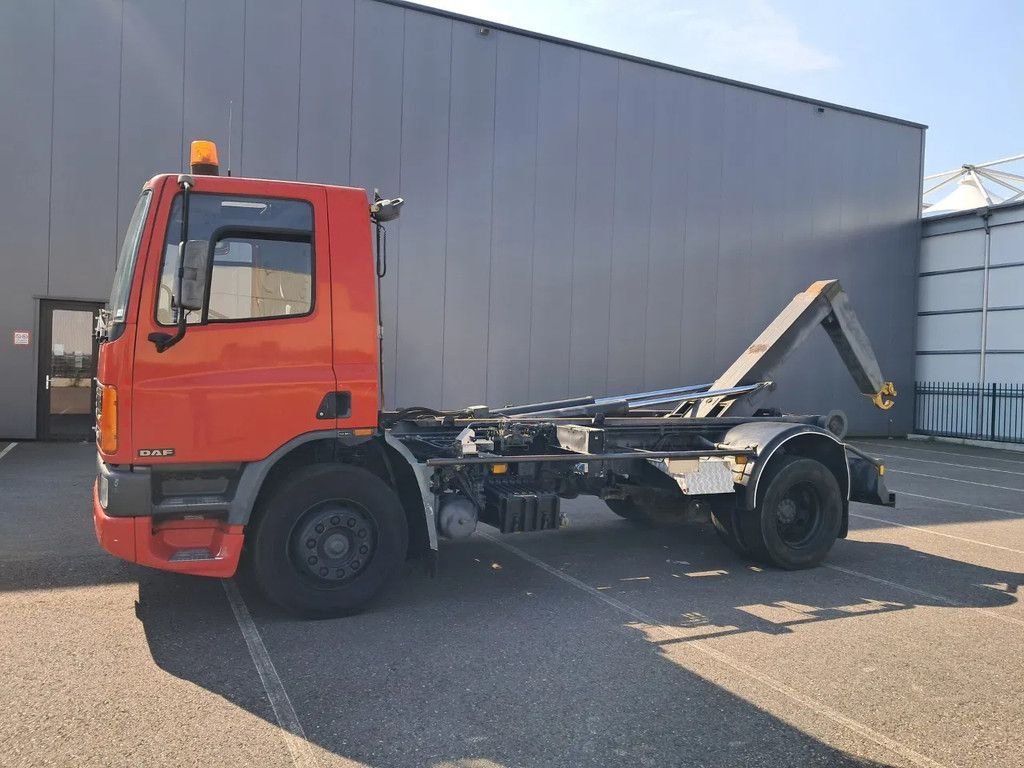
(47, 382)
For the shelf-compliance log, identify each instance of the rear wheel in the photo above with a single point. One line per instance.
(798, 518)
(627, 509)
(724, 519)
(328, 540)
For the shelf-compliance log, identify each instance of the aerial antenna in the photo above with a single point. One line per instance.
(231, 105)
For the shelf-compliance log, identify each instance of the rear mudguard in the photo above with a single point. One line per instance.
(860, 478)
(771, 440)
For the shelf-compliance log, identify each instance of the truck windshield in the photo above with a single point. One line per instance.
(118, 304)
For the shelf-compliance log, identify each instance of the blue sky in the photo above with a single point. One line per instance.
(955, 66)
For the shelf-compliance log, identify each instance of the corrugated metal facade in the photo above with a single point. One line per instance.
(576, 222)
(971, 312)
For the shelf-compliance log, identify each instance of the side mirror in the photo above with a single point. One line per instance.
(193, 281)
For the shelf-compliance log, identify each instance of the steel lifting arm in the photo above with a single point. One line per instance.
(823, 303)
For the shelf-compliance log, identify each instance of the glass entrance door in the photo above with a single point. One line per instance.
(67, 370)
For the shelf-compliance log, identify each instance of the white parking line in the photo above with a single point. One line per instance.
(7, 450)
(922, 593)
(948, 463)
(792, 694)
(914, 448)
(953, 480)
(937, 533)
(958, 503)
(294, 735)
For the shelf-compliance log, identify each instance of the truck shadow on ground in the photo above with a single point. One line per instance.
(497, 663)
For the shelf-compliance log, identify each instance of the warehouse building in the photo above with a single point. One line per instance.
(971, 299)
(605, 223)
(970, 325)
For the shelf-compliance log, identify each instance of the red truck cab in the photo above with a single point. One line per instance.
(286, 344)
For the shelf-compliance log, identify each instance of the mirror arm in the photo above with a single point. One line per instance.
(165, 341)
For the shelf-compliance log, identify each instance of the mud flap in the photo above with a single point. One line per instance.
(867, 482)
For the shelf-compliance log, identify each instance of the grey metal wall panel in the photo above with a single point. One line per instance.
(631, 229)
(1004, 369)
(960, 290)
(949, 368)
(575, 222)
(554, 221)
(905, 221)
(270, 89)
(800, 186)
(426, 100)
(83, 204)
(26, 80)
(1004, 331)
(1008, 244)
(1006, 289)
(152, 69)
(510, 323)
(953, 251)
(893, 228)
(214, 76)
(597, 144)
(937, 333)
(376, 143)
(703, 151)
(467, 267)
(734, 277)
(325, 90)
(961, 241)
(665, 276)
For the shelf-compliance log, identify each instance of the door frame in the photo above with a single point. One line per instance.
(45, 349)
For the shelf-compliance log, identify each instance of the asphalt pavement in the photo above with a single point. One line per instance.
(603, 644)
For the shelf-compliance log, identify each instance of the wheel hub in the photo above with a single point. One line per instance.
(798, 515)
(336, 545)
(787, 511)
(333, 542)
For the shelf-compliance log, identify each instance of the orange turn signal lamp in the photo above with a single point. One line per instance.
(106, 426)
(203, 158)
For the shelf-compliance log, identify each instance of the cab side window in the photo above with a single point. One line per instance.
(262, 260)
(255, 277)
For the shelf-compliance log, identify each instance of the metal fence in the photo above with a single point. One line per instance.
(977, 411)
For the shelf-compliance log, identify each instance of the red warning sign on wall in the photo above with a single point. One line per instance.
(22, 338)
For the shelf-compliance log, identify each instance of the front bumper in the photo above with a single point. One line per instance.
(197, 546)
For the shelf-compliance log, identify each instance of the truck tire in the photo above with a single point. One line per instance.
(724, 519)
(798, 517)
(628, 509)
(328, 540)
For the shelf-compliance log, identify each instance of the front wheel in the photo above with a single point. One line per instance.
(799, 516)
(328, 540)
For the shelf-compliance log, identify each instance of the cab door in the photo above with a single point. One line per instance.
(256, 362)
